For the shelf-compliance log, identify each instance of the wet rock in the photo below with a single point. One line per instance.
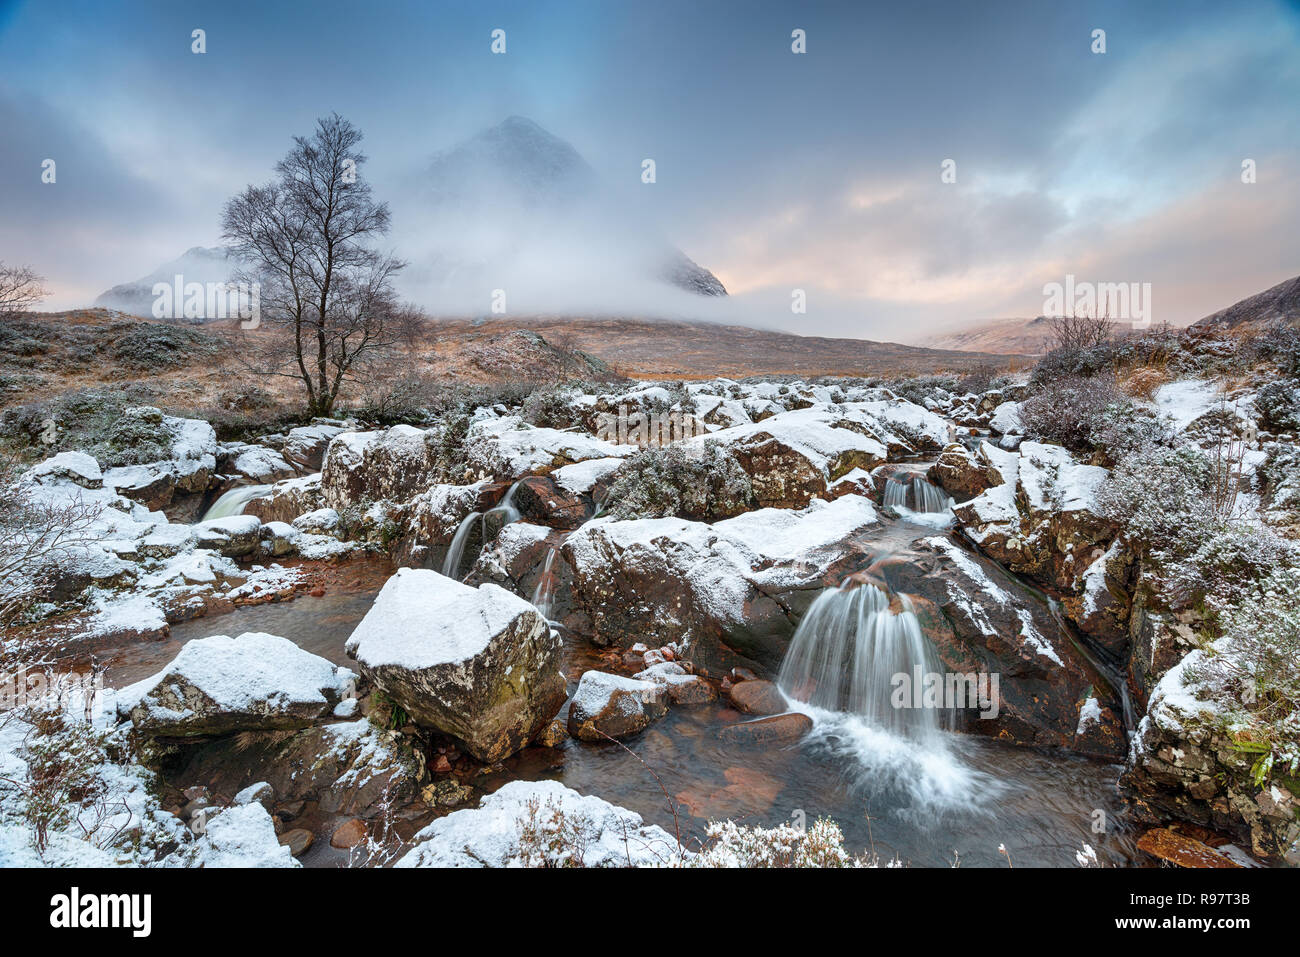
(613, 705)
(553, 735)
(220, 685)
(775, 729)
(1184, 851)
(758, 697)
(349, 834)
(447, 792)
(297, 840)
(683, 688)
(477, 663)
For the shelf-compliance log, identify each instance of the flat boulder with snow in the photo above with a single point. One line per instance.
(500, 833)
(221, 685)
(480, 664)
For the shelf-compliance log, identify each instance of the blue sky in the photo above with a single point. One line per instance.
(776, 170)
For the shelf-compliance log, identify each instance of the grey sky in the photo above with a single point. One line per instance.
(775, 170)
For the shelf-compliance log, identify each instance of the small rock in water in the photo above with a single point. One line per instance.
(349, 834)
(445, 793)
(607, 704)
(739, 674)
(442, 764)
(297, 840)
(758, 697)
(553, 735)
(774, 729)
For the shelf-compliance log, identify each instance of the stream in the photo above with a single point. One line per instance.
(940, 799)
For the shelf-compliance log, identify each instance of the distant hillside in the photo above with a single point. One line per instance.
(1281, 303)
(658, 348)
(1020, 337)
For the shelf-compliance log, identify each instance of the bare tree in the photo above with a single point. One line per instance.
(1076, 333)
(36, 532)
(326, 298)
(20, 289)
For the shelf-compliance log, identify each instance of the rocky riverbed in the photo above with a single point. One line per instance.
(424, 645)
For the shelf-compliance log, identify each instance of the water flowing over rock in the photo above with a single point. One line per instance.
(730, 590)
(847, 653)
(477, 663)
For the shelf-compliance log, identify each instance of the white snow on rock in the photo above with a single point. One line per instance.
(1038, 642)
(77, 467)
(510, 448)
(1053, 482)
(1006, 419)
(1182, 403)
(491, 835)
(400, 631)
(242, 836)
(581, 477)
(254, 673)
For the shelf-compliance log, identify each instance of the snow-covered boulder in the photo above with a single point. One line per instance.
(220, 685)
(255, 463)
(726, 589)
(304, 447)
(287, 499)
(507, 448)
(240, 836)
(75, 467)
(523, 824)
(480, 664)
(233, 536)
(614, 705)
(391, 465)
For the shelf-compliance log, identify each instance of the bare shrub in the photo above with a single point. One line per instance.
(1066, 410)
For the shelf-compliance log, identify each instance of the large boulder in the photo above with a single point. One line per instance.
(730, 592)
(508, 448)
(220, 685)
(961, 475)
(477, 663)
(287, 499)
(392, 465)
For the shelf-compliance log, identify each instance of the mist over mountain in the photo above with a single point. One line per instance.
(516, 209)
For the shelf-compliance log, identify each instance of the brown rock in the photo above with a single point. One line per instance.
(349, 834)
(297, 840)
(758, 697)
(774, 729)
(1169, 845)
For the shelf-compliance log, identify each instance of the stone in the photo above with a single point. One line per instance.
(775, 729)
(297, 840)
(349, 834)
(480, 664)
(613, 705)
(220, 685)
(758, 697)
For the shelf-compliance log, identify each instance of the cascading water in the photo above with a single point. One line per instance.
(502, 514)
(846, 654)
(456, 550)
(544, 593)
(233, 501)
(915, 494)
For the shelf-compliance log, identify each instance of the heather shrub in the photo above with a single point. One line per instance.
(551, 408)
(1123, 429)
(1065, 411)
(1161, 498)
(1278, 405)
(696, 482)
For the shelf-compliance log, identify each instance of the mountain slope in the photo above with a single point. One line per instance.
(197, 264)
(1280, 303)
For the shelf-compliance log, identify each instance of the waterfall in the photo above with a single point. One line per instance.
(915, 494)
(544, 593)
(233, 501)
(505, 508)
(845, 656)
(456, 550)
